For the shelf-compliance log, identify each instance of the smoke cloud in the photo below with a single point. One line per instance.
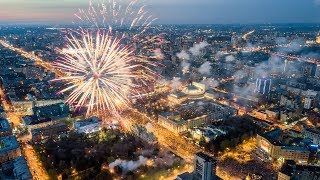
(205, 68)
(185, 66)
(129, 165)
(165, 159)
(218, 55)
(210, 83)
(196, 49)
(293, 46)
(248, 89)
(175, 83)
(183, 55)
(230, 58)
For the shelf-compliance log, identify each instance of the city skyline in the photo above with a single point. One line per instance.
(160, 89)
(177, 12)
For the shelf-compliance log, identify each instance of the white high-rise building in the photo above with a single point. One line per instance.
(205, 167)
(263, 86)
(317, 74)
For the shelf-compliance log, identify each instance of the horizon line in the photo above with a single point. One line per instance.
(163, 24)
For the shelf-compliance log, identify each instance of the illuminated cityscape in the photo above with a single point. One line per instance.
(129, 89)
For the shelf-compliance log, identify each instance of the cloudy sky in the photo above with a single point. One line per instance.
(173, 11)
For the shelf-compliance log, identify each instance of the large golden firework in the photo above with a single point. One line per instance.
(106, 63)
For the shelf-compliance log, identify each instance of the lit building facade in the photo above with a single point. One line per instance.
(194, 114)
(273, 149)
(263, 86)
(312, 134)
(42, 134)
(205, 167)
(176, 124)
(193, 91)
(234, 40)
(88, 126)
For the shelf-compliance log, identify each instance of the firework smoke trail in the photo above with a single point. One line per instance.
(104, 68)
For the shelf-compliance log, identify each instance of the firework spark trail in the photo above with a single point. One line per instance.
(120, 17)
(127, 14)
(105, 68)
(100, 73)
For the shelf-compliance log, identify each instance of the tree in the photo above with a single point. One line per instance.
(202, 141)
(224, 144)
(244, 137)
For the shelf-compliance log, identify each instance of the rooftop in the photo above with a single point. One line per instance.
(169, 114)
(21, 169)
(86, 122)
(8, 143)
(274, 133)
(192, 87)
(205, 157)
(290, 168)
(185, 176)
(18, 168)
(295, 148)
(312, 130)
(51, 110)
(211, 91)
(47, 113)
(61, 126)
(178, 95)
(4, 125)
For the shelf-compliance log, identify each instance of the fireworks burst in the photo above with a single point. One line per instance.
(99, 73)
(124, 14)
(120, 17)
(102, 67)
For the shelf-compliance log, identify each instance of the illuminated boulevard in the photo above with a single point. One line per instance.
(29, 55)
(37, 169)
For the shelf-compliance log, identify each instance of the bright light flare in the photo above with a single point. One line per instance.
(99, 74)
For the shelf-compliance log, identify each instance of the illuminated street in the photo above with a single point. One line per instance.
(14, 117)
(37, 169)
(29, 55)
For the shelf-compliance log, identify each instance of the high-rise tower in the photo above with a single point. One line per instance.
(205, 167)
